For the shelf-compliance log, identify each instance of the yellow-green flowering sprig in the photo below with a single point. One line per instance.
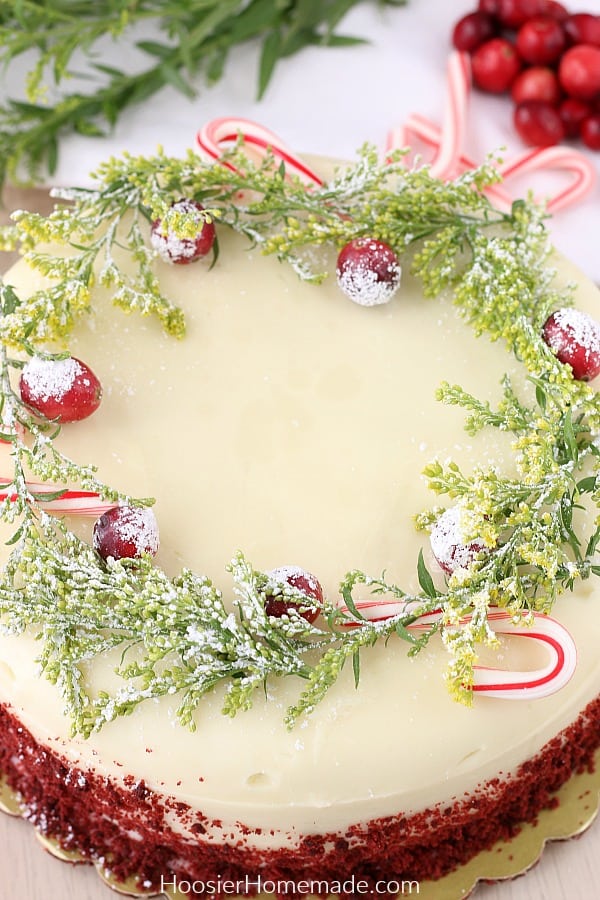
(174, 636)
(90, 232)
(527, 522)
(34, 455)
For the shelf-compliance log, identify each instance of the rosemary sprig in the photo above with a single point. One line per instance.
(193, 39)
(179, 635)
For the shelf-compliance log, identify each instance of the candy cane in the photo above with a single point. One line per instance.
(505, 684)
(449, 159)
(562, 158)
(219, 135)
(76, 503)
(458, 86)
(430, 135)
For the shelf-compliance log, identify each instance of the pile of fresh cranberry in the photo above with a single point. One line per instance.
(547, 59)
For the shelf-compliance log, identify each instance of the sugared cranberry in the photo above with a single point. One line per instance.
(472, 30)
(572, 112)
(541, 41)
(513, 13)
(539, 124)
(448, 544)
(575, 339)
(368, 271)
(579, 71)
(65, 390)
(495, 65)
(126, 532)
(590, 131)
(583, 28)
(302, 581)
(536, 83)
(184, 250)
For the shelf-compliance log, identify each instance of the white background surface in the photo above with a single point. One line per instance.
(327, 101)
(330, 101)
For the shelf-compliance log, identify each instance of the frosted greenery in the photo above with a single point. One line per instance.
(180, 635)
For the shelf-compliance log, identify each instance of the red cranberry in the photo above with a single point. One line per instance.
(579, 71)
(536, 83)
(575, 339)
(368, 271)
(495, 65)
(126, 532)
(304, 582)
(539, 124)
(541, 41)
(472, 30)
(513, 13)
(447, 542)
(554, 10)
(583, 28)
(65, 390)
(590, 131)
(491, 7)
(572, 112)
(182, 251)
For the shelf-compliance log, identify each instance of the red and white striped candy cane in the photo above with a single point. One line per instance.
(430, 134)
(449, 159)
(505, 684)
(220, 135)
(71, 502)
(458, 87)
(544, 159)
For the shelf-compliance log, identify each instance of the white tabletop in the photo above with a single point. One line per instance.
(326, 101)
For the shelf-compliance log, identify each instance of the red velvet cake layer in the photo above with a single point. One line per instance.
(125, 827)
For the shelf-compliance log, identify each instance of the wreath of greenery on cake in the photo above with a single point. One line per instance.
(187, 639)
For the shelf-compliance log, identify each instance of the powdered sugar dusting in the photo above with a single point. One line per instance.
(448, 541)
(574, 336)
(172, 248)
(294, 576)
(140, 529)
(50, 378)
(133, 527)
(369, 274)
(576, 327)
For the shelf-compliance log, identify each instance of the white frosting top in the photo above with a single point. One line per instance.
(293, 424)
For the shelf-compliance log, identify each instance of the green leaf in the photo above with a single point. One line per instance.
(406, 635)
(587, 485)
(160, 51)
(10, 300)
(271, 52)
(16, 537)
(540, 396)
(339, 40)
(176, 80)
(425, 579)
(346, 592)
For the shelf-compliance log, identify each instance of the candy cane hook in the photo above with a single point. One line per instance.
(505, 684)
(220, 135)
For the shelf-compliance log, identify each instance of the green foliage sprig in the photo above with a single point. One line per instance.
(194, 38)
(179, 635)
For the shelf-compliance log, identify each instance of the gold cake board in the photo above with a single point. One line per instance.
(577, 808)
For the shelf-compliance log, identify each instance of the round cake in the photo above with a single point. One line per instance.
(293, 425)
